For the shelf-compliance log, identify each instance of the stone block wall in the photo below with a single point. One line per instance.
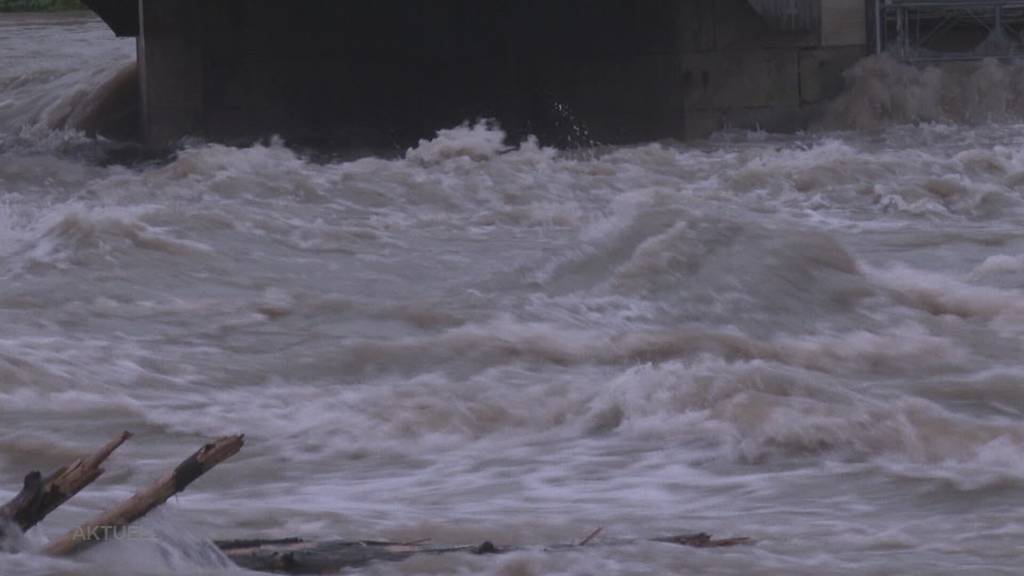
(384, 73)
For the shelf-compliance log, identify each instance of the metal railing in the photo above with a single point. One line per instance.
(940, 30)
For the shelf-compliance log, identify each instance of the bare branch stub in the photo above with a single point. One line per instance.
(40, 497)
(25, 504)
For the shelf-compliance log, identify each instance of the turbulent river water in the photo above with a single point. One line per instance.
(811, 340)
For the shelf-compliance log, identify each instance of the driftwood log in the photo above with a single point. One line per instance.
(39, 497)
(146, 500)
(297, 556)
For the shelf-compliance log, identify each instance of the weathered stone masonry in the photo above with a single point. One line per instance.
(383, 73)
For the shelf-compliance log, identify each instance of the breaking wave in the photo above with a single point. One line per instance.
(882, 92)
(486, 338)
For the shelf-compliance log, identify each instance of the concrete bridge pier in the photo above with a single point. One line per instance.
(384, 73)
(171, 70)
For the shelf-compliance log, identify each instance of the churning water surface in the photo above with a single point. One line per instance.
(813, 340)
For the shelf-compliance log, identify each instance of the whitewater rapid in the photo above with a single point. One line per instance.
(812, 340)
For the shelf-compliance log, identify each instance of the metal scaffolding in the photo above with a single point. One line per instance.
(938, 30)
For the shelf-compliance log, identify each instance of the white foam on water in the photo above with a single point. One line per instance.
(999, 264)
(812, 340)
(478, 142)
(941, 294)
(882, 91)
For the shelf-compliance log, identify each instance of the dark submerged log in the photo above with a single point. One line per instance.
(296, 556)
(24, 502)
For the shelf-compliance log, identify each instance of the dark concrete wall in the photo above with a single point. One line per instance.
(384, 73)
(756, 76)
(172, 72)
(121, 15)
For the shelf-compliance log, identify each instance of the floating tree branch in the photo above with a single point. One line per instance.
(146, 500)
(39, 497)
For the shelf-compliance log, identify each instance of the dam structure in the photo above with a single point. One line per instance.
(949, 30)
(385, 73)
